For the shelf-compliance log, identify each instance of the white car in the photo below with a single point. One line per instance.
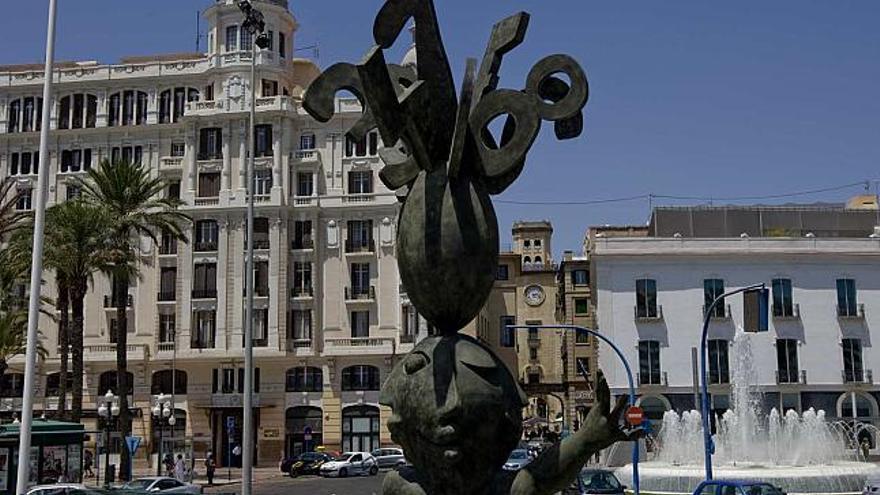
(162, 484)
(61, 489)
(351, 463)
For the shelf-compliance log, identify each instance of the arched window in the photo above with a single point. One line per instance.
(360, 377)
(360, 428)
(296, 421)
(107, 381)
(304, 379)
(12, 385)
(527, 260)
(25, 115)
(172, 103)
(162, 383)
(538, 260)
(77, 111)
(53, 384)
(127, 108)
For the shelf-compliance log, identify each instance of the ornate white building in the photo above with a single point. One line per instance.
(330, 318)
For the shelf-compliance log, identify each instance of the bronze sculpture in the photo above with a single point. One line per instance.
(457, 411)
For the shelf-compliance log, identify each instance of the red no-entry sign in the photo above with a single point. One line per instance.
(635, 415)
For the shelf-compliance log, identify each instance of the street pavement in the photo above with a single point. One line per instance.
(267, 483)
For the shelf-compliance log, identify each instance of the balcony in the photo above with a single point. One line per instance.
(170, 163)
(204, 294)
(359, 198)
(200, 344)
(107, 352)
(206, 201)
(110, 302)
(852, 312)
(360, 246)
(786, 312)
(306, 243)
(259, 244)
(857, 376)
(534, 342)
(168, 248)
(302, 292)
(166, 347)
(259, 291)
(205, 246)
(719, 312)
(360, 294)
(305, 200)
(647, 314)
(359, 346)
(294, 345)
(791, 377)
(303, 157)
(167, 296)
(652, 381)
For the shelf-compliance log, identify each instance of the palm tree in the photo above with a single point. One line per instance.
(10, 217)
(134, 204)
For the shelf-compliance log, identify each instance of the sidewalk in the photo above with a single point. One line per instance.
(222, 476)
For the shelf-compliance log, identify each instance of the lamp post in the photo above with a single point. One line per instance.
(108, 410)
(162, 411)
(255, 26)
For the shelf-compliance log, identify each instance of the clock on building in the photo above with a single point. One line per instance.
(534, 295)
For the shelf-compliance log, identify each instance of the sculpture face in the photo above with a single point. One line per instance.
(456, 407)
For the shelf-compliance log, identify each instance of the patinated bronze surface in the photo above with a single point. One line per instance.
(457, 410)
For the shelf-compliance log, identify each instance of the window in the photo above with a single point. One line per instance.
(23, 203)
(360, 324)
(204, 326)
(263, 139)
(302, 278)
(847, 304)
(260, 328)
(282, 46)
(209, 93)
(178, 149)
(646, 298)
(261, 278)
(26, 163)
(583, 366)
(130, 105)
(527, 243)
(713, 288)
(302, 325)
(533, 353)
(224, 380)
(649, 362)
(360, 377)
(360, 182)
(167, 283)
(503, 273)
(53, 384)
(108, 380)
(302, 234)
(534, 378)
(246, 40)
(173, 191)
(210, 143)
(508, 334)
(168, 245)
(72, 192)
(719, 370)
(231, 38)
(582, 337)
(580, 277)
(411, 323)
(263, 182)
(304, 184)
(207, 233)
(25, 114)
(271, 36)
(209, 185)
(307, 141)
(360, 279)
(787, 360)
(360, 236)
(14, 116)
(77, 111)
(205, 281)
(270, 88)
(168, 382)
(581, 306)
(852, 361)
(130, 154)
(304, 379)
(782, 300)
(167, 328)
(368, 146)
(261, 234)
(76, 160)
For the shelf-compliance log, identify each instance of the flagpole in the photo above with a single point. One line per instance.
(27, 404)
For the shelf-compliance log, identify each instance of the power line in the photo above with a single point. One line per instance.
(651, 197)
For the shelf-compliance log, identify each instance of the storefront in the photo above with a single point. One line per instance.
(56, 453)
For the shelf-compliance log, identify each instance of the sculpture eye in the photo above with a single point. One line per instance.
(415, 362)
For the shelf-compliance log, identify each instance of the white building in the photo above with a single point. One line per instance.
(330, 318)
(651, 291)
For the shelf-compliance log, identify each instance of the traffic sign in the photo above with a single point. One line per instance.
(133, 443)
(635, 415)
(230, 423)
(307, 433)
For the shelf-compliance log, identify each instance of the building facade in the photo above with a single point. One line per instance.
(330, 320)
(652, 292)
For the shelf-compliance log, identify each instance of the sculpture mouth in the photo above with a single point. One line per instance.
(444, 441)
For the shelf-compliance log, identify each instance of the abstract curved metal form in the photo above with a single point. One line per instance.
(457, 410)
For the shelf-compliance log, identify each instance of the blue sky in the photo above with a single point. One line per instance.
(688, 97)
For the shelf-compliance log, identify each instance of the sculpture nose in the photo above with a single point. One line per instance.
(451, 409)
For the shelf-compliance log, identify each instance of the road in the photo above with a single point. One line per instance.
(309, 485)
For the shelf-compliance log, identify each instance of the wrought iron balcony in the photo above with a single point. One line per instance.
(165, 296)
(204, 294)
(851, 312)
(302, 292)
(857, 376)
(302, 244)
(648, 313)
(205, 246)
(786, 311)
(360, 246)
(360, 293)
(791, 377)
(259, 291)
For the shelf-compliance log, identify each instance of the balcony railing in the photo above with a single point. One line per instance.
(857, 376)
(204, 294)
(166, 346)
(110, 301)
(719, 312)
(652, 381)
(791, 377)
(204, 246)
(294, 344)
(259, 291)
(302, 292)
(407, 339)
(202, 343)
(360, 293)
(854, 312)
(302, 244)
(170, 162)
(168, 248)
(305, 156)
(360, 342)
(648, 313)
(207, 201)
(360, 246)
(167, 295)
(259, 244)
(359, 198)
(786, 312)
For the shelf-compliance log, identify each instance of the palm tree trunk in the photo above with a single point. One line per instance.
(77, 301)
(63, 304)
(120, 298)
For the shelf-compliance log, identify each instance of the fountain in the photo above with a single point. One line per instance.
(800, 453)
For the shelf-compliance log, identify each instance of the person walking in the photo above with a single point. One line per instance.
(169, 465)
(210, 466)
(180, 469)
(87, 464)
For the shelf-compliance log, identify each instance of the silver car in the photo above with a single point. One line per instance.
(517, 460)
(162, 484)
(389, 457)
(62, 489)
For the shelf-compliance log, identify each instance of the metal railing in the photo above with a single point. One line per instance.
(648, 313)
(851, 312)
(360, 246)
(360, 293)
(857, 376)
(259, 291)
(302, 244)
(307, 291)
(204, 293)
(792, 377)
(294, 344)
(204, 246)
(786, 311)
(167, 295)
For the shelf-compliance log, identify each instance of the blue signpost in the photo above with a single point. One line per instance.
(230, 433)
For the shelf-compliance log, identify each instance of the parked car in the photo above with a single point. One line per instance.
(307, 463)
(737, 487)
(162, 484)
(62, 489)
(596, 482)
(351, 463)
(518, 459)
(389, 457)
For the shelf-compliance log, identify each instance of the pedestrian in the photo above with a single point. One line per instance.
(209, 468)
(169, 465)
(87, 464)
(866, 448)
(180, 469)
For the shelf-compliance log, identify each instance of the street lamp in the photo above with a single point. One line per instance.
(162, 411)
(108, 409)
(256, 26)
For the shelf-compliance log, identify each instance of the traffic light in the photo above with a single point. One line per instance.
(756, 310)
